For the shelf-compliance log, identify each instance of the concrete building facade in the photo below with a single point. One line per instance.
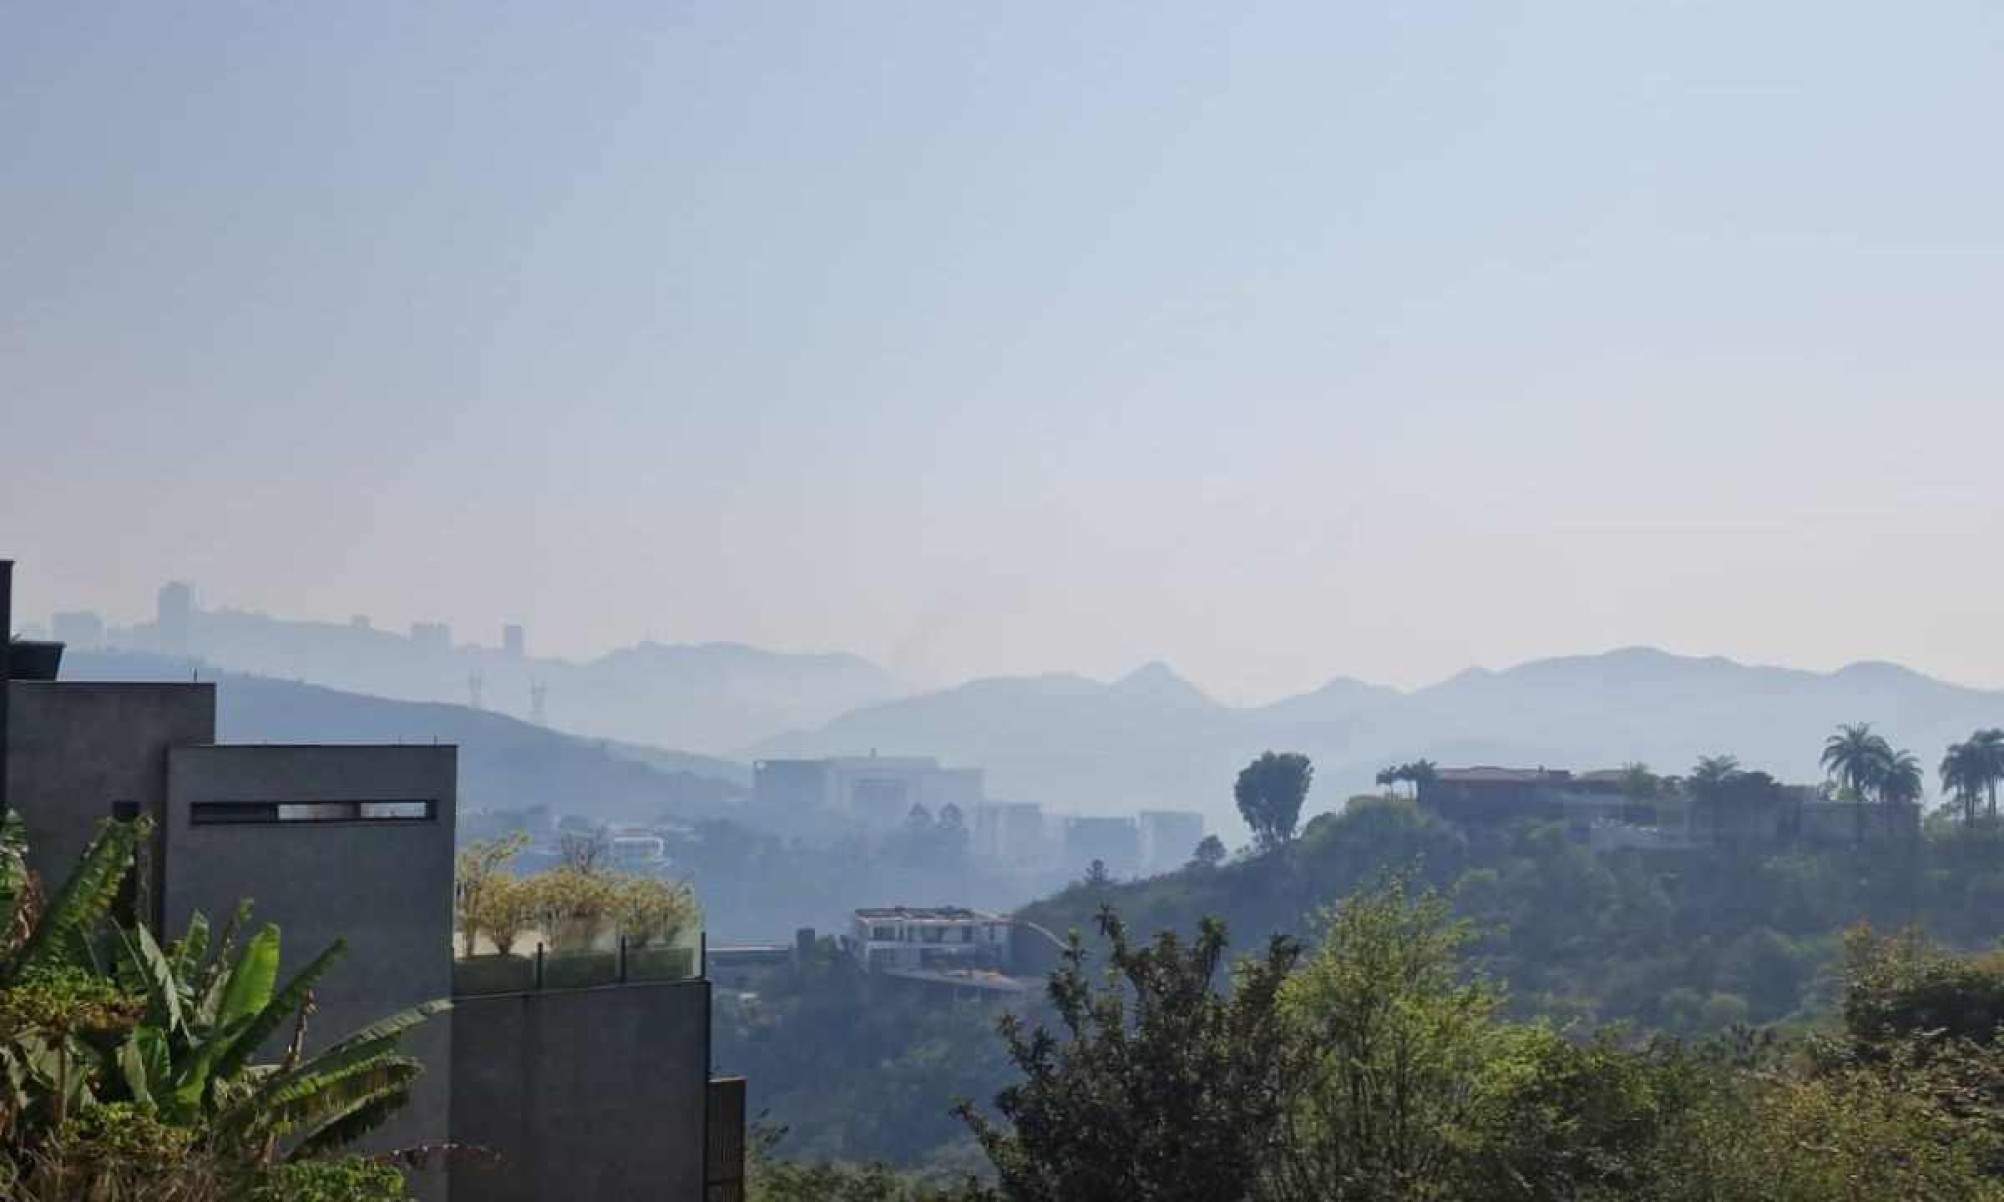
(301, 832)
(1114, 842)
(597, 1093)
(79, 753)
(174, 616)
(349, 843)
(1597, 810)
(1168, 838)
(929, 937)
(879, 790)
(1014, 833)
(1492, 794)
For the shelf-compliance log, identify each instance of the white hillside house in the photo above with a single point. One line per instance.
(931, 937)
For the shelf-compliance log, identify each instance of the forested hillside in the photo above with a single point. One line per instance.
(1679, 942)
(1690, 945)
(1375, 1063)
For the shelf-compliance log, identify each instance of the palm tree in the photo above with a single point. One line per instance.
(1421, 773)
(1987, 750)
(1902, 783)
(1858, 759)
(1962, 778)
(1708, 783)
(1388, 777)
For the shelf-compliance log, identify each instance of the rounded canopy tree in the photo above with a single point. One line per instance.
(1270, 791)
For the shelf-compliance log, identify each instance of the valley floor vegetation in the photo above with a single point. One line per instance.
(1377, 1066)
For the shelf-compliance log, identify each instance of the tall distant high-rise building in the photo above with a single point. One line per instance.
(513, 642)
(1169, 838)
(80, 629)
(174, 615)
(431, 636)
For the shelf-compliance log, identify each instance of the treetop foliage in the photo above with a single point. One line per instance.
(1269, 792)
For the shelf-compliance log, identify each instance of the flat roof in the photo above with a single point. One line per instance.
(927, 913)
(1490, 774)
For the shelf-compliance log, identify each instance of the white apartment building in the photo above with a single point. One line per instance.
(929, 937)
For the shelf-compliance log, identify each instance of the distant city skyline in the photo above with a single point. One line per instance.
(495, 641)
(1275, 341)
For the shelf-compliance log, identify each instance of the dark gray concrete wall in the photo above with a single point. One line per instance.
(75, 749)
(385, 887)
(595, 1095)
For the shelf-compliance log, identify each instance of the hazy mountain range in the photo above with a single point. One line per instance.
(708, 697)
(1148, 739)
(1153, 739)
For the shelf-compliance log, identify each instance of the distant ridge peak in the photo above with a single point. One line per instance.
(1879, 668)
(1156, 679)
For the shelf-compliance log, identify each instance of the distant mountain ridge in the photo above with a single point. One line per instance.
(504, 763)
(1150, 738)
(707, 697)
(1153, 739)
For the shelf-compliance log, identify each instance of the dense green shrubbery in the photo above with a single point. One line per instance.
(1675, 942)
(1382, 1068)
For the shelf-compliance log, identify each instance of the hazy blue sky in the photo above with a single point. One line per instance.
(1274, 340)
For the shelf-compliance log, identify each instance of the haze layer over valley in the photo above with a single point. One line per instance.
(1149, 739)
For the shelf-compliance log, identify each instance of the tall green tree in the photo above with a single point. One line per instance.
(1709, 785)
(1857, 759)
(1964, 776)
(1209, 852)
(1903, 782)
(1393, 1036)
(1160, 1082)
(1269, 792)
(1987, 759)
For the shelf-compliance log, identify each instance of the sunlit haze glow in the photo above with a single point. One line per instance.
(1277, 341)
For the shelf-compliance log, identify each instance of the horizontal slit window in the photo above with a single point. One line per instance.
(206, 813)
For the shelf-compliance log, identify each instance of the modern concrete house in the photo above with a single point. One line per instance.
(326, 842)
(1597, 810)
(588, 1084)
(1490, 794)
(929, 937)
